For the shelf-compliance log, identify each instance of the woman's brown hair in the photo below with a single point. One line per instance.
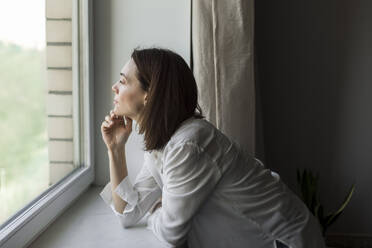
(172, 94)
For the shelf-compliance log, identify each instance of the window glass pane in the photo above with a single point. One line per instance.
(36, 100)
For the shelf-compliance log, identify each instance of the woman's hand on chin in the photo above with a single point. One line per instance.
(115, 132)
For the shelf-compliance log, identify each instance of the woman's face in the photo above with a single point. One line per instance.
(129, 97)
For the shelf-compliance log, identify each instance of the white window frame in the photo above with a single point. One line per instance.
(33, 219)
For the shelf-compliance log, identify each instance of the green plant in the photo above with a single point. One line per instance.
(308, 184)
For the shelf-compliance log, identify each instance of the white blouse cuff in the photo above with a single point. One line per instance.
(107, 197)
(126, 192)
(106, 194)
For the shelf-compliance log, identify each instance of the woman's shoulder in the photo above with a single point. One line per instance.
(189, 135)
(196, 136)
(193, 130)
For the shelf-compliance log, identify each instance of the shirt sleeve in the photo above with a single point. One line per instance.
(140, 197)
(190, 176)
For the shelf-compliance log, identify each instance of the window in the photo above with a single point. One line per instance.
(45, 115)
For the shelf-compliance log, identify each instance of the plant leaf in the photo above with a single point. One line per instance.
(332, 219)
(335, 215)
(347, 199)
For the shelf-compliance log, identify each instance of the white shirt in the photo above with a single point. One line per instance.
(213, 195)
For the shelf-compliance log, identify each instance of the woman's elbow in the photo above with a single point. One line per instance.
(126, 226)
(126, 223)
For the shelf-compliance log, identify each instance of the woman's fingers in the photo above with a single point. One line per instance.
(112, 115)
(105, 126)
(116, 118)
(108, 120)
(111, 119)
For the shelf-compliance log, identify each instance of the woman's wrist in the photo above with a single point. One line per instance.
(116, 150)
(117, 161)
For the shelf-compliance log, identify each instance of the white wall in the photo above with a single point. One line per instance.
(120, 26)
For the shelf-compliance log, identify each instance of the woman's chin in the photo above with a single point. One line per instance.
(118, 112)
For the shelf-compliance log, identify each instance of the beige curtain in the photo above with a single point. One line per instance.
(222, 61)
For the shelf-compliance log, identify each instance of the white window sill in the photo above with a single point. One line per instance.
(90, 223)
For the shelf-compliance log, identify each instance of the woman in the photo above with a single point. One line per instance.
(213, 194)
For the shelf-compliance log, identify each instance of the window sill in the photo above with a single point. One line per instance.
(90, 223)
(33, 218)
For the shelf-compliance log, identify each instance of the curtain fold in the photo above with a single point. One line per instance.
(223, 66)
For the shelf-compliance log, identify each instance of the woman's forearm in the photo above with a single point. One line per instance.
(118, 171)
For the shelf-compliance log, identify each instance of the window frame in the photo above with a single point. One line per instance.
(21, 229)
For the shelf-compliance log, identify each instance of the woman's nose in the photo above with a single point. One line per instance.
(114, 88)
